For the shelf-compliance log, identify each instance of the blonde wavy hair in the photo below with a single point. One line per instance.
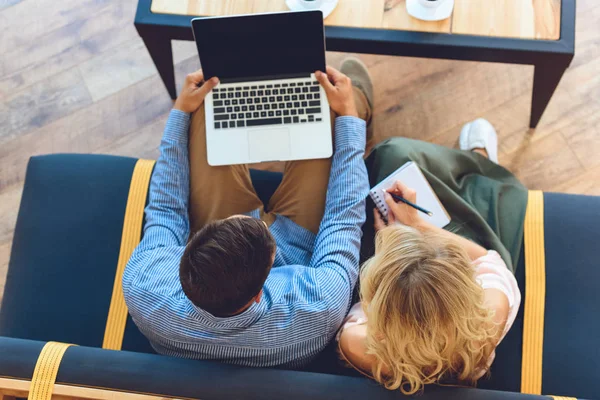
(427, 322)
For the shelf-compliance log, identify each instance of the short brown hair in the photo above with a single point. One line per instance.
(226, 264)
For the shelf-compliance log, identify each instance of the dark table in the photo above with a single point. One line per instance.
(542, 34)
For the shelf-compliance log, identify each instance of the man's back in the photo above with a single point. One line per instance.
(306, 294)
(260, 336)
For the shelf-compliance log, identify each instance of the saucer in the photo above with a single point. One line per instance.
(437, 12)
(327, 7)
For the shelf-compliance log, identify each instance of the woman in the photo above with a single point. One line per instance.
(435, 304)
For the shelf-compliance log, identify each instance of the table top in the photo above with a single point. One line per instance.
(523, 19)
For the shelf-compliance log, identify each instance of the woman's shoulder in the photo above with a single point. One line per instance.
(353, 348)
(492, 259)
(353, 339)
(502, 292)
(492, 273)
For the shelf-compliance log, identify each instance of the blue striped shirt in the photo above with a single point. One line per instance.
(307, 294)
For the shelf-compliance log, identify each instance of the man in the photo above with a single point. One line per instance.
(251, 287)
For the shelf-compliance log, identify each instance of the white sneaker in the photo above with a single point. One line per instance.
(480, 134)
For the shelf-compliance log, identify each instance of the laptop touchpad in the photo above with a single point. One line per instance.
(269, 144)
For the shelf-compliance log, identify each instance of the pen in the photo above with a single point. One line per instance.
(408, 203)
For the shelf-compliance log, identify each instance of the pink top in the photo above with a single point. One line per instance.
(491, 273)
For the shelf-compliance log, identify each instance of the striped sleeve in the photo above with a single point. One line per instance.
(337, 246)
(167, 221)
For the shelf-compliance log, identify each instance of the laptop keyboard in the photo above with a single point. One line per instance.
(242, 106)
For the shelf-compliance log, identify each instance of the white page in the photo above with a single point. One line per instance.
(410, 175)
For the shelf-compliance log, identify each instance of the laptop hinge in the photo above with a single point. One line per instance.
(265, 78)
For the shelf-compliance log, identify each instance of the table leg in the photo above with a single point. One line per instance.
(546, 78)
(161, 51)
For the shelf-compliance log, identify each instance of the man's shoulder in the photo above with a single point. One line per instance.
(295, 285)
(156, 270)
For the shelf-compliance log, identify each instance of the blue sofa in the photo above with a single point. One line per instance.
(62, 270)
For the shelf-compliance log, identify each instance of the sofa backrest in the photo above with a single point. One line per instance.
(122, 371)
(66, 246)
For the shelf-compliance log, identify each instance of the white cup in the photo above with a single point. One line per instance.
(430, 10)
(311, 4)
(431, 3)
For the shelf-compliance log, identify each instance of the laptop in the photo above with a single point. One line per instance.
(268, 105)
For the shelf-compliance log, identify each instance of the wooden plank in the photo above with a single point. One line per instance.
(537, 19)
(585, 143)
(32, 53)
(396, 17)
(4, 257)
(220, 7)
(586, 183)
(547, 15)
(42, 103)
(20, 388)
(124, 66)
(85, 130)
(262, 6)
(571, 106)
(170, 7)
(63, 48)
(587, 46)
(538, 163)
(142, 143)
(25, 13)
(581, 129)
(9, 208)
(440, 95)
(542, 158)
(183, 50)
(514, 18)
(358, 13)
(524, 151)
(22, 27)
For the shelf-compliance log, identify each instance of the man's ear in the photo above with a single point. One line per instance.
(258, 296)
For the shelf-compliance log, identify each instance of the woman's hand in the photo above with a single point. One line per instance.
(404, 214)
(194, 92)
(400, 212)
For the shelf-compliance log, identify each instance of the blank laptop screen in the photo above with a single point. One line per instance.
(261, 46)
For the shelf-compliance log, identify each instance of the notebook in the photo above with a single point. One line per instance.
(411, 175)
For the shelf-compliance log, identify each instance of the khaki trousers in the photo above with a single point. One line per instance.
(220, 192)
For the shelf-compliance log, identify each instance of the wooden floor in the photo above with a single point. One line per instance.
(75, 77)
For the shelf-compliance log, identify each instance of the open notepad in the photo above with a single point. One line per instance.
(411, 175)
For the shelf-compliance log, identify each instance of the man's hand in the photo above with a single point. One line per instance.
(339, 92)
(194, 92)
